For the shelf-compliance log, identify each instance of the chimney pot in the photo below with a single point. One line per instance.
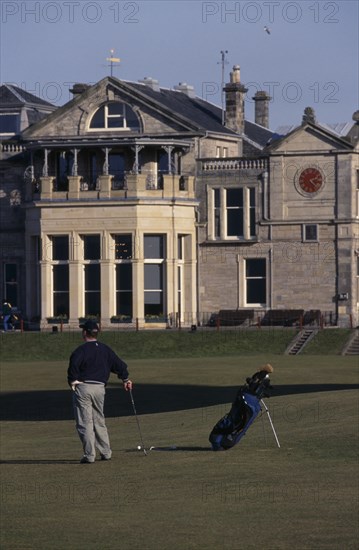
(236, 74)
(185, 89)
(151, 83)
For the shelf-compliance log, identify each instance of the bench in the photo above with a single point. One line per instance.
(230, 317)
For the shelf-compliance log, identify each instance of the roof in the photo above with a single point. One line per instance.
(12, 96)
(321, 129)
(340, 129)
(194, 113)
(203, 114)
(206, 115)
(257, 133)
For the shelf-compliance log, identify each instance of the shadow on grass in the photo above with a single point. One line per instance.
(55, 405)
(32, 461)
(172, 449)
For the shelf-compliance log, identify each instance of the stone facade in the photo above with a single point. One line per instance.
(135, 204)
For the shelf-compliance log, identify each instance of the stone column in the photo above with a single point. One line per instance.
(74, 187)
(46, 184)
(76, 280)
(105, 186)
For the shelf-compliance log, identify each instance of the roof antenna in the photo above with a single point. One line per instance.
(223, 62)
(112, 60)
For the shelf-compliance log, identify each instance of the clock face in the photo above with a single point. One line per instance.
(310, 180)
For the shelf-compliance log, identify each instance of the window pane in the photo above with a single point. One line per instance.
(131, 119)
(153, 298)
(256, 281)
(92, 247)
(235, 222)
(124, 303)
(60, 248)
(10, 273)
(61, 289)
(9, 124)
(252, 212)
(61, 278)
(11, 284)
(311, 232)
(124, 289)
(234, 197)
(115, 108)
(92, 277)
(256, 268)
(61, 304)
(217, 198)
(124, 277)
(154, 246)
(153, 277)
(115, 122)
(123, 247)
(256, 291)
(93, 303)
(98, 120)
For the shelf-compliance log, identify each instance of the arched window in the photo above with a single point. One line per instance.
(115, 116)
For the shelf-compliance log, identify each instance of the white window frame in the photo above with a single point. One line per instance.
(245, 279)
(108, 116)
(223, 208)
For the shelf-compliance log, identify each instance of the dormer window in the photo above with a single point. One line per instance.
(9, 123)
(115, 116)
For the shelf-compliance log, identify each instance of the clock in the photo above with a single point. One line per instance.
(310, 180)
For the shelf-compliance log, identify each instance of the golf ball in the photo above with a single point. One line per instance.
(139, 447)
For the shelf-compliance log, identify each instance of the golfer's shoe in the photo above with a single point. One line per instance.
(103, 457)
(85, 460)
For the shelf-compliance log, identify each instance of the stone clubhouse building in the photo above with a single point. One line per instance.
(143, 205)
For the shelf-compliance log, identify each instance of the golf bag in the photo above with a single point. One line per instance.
(233, 426)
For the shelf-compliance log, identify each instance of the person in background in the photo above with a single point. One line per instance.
(6, 312)
(89, 369)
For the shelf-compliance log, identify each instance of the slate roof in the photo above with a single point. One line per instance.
(12, 96)
(204, 114)
(201, 115)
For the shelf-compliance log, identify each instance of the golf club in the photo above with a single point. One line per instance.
(138, 423)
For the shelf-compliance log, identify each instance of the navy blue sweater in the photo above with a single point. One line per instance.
(95, 361)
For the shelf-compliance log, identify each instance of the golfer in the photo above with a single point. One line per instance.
(88, 373)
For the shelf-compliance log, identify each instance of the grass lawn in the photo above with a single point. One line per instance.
(301, 496)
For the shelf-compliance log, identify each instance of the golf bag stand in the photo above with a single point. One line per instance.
(270, 421)
(230, 429)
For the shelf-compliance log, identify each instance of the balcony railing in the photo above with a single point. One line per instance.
(122, 184)
(233, 164)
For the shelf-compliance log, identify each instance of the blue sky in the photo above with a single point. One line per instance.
(310, 57)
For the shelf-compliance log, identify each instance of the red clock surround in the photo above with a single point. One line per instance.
(310, 180)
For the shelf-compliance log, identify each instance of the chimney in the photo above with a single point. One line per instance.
(234, 93)
(151, 83)
(261, 108)
(79, 88)
(309, 116)
(185, 89)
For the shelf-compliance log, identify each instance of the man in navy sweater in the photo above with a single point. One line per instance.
(88, 373)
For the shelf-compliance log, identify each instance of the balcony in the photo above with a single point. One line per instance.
(119, 186)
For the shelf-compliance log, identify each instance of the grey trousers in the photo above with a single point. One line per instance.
(88, 401)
